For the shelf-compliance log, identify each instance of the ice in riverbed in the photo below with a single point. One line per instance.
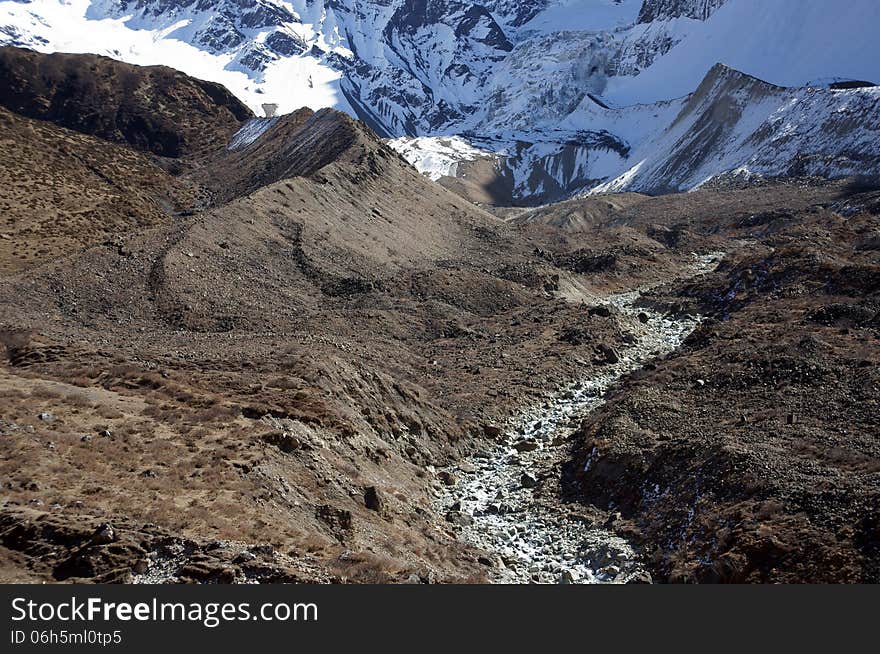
(540, 542)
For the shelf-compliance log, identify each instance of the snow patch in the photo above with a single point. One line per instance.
(437, 157)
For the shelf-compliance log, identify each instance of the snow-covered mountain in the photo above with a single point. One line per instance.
(558, 94)
(737, 125)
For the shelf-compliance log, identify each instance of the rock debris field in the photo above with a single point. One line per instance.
(493, 502)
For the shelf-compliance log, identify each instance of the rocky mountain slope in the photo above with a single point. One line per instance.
(751, 455)
(290, 357)
(145, 108)
(558, 95)
(738, 126)
(259, 386)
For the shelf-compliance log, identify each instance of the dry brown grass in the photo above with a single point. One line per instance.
(15, 339)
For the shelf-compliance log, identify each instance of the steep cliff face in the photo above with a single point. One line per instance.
(653, 10)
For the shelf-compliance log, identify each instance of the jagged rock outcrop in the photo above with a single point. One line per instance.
(665, 9)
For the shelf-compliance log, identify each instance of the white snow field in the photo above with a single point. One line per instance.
(567, 95)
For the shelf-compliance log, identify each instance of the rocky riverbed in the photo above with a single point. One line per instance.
(495, 499)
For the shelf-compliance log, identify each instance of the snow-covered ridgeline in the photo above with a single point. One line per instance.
(451, 66)
(733, 123)
(564, 94)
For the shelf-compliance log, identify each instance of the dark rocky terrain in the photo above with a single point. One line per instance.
(752, 454)
(267, 361)
(154, 109)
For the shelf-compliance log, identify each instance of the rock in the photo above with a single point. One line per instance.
(528, 480)
(492, 431)
(466, 467)
(284, 441)
(569, 577)
(265, 550)
(643, 317)
(105, 433)
(525, 446)
(600, 557)
(45, 417)
(373, 500)
(458, 518)
(103, 535)
(150, 473)
(446, 478)
(140, 566)
(601, 310)
(641, 577)
(485, 560)
(86, 439)
(245, 557)
(339, 519)
(607, 354)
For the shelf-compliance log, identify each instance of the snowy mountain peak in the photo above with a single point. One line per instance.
(563, 92)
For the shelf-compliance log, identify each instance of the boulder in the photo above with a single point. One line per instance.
(103, 534)
(446, 478)
(458, 518)
(607, 354)
(373, 500)
(528, 480)
(284, 441)
(245, 557)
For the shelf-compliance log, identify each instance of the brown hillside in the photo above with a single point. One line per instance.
(154, 109)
